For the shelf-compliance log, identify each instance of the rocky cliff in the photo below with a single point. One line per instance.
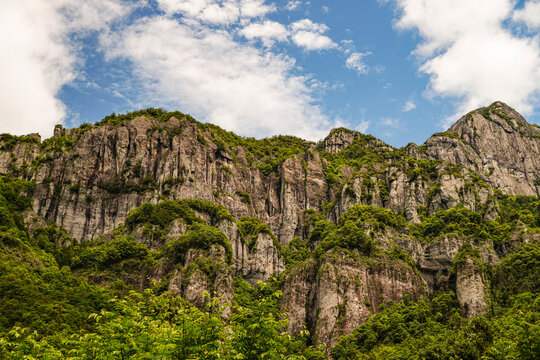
(253, 197)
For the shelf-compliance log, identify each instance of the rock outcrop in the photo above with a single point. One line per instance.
(89, 179)
(340, 292)
(497, 142)
(471, 289)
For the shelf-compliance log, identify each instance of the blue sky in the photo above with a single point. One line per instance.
(397, 69)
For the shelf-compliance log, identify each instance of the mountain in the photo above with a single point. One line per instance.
(156, 200)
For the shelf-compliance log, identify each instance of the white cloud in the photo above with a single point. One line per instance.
(362, 126)
(293, 5)
(390, 122)
(188, 7)
(309, 35)
(268, 32)
(409, 105)
(313, 41)
(38, 57)
(325, 9)
(469, 54)
(255, 8)
(308, 25)
(220, 14)
(529, 14)
(354, 62)
(217, 12)
(379, 68)
(206, 72)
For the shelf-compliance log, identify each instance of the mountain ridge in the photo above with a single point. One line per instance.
(347, 224)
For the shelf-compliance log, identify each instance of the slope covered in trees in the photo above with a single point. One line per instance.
(210, 245)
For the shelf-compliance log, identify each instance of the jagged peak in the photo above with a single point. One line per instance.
(489, 119)
(340, 138)
(498, 113)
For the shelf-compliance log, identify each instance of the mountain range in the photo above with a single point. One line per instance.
(341, 228)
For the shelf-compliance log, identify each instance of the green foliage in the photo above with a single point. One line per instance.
(112, 252)
(35, 292)
(348, 235)
(450, 134)
(245, 197)
(146, 326)
(523, 208)
(377, 218)
(44, 297)
(517, 273)
(200, 139)
(251, 227)
(198, 236)
(434, 330)
(383, 191)
(266, 154)
(364, 152)
(464, 253)
(295, 252)
(151, 113)
(226, 169)
(122, 186)
(459, 221)
(165, 212)
(8, 141)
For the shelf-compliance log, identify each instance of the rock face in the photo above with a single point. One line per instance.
(337, 140)
(437, 259)
(89, 187)
(194, 285)
(89, 179)
(496, 141)
(471, 289)
(340, 292)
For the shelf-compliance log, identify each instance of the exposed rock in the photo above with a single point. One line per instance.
(497, 142)
(471, 289)
(90, 186)
(192, 283)
(341, 292)
(437, 260)
(337, 140)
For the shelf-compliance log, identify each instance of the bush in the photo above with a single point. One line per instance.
(198, 236)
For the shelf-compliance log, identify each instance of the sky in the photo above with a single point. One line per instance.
(397, 69)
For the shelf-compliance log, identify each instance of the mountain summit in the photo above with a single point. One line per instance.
(497, 141)
(157, 200)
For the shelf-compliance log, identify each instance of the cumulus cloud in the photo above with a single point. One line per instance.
(391, 122)
(354, 62)
(293, 5)
(362, 126)
(38, 57)
(234, 85)
(529, 14)
(217, 12)
(268, 32)
(409, 105)
(310, 35)
(469, 55)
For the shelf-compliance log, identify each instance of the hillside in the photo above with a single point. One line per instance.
(151, 220)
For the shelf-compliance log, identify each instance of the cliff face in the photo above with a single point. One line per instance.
(497, 142)
(89, 187)
(89, 179)
(341, 291)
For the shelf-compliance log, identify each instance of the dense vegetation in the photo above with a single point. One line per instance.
(109, 298)
(48, 312)
(435, 330)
